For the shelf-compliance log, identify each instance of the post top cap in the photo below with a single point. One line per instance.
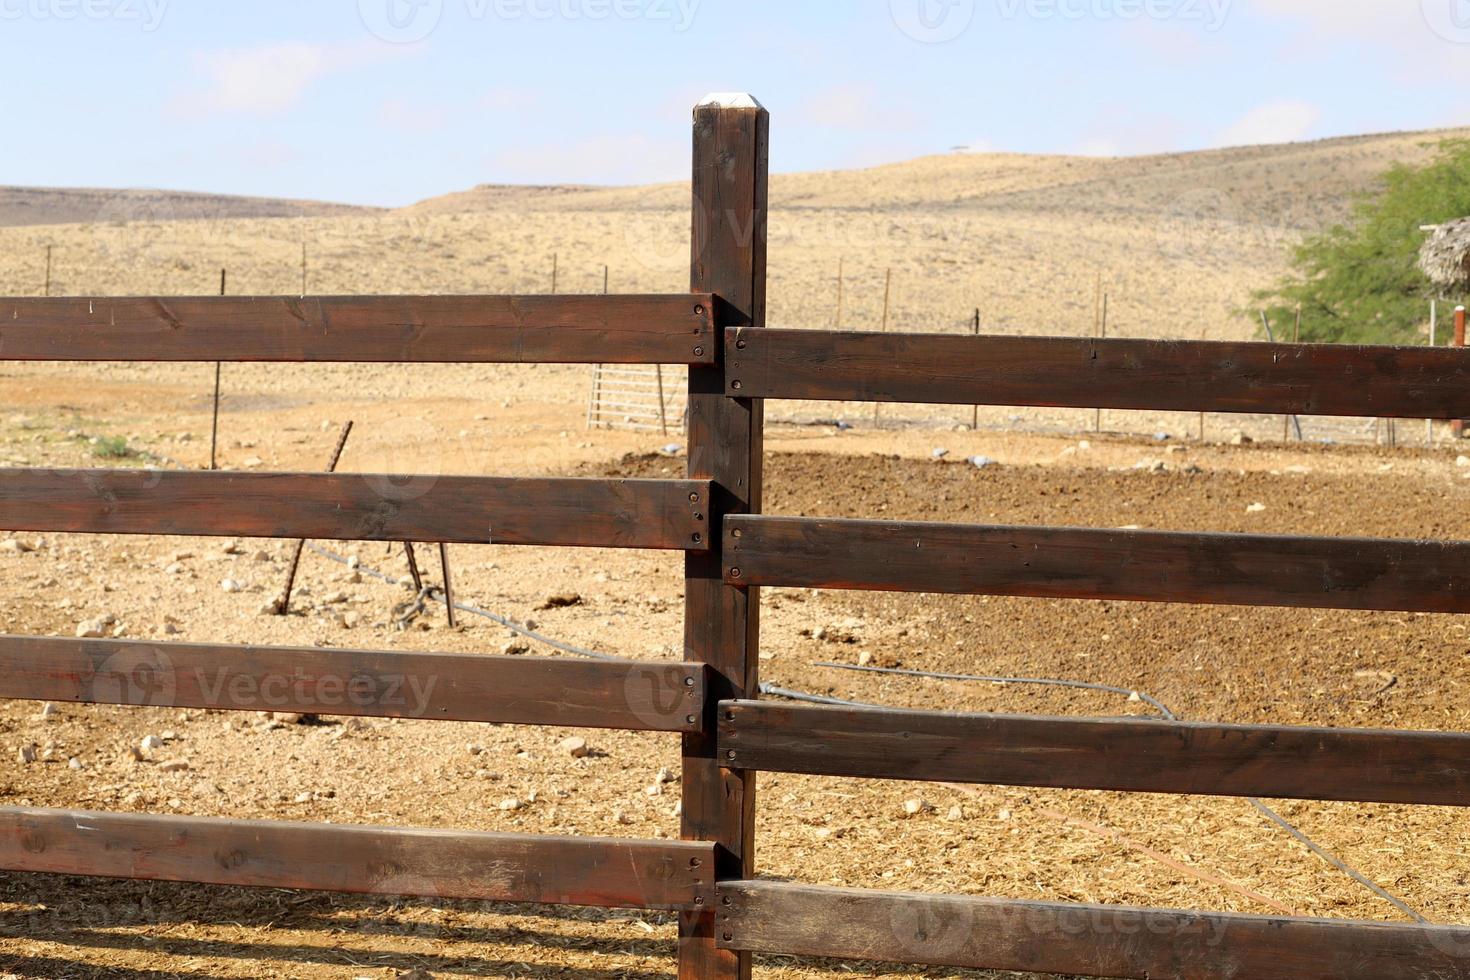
(730, 100)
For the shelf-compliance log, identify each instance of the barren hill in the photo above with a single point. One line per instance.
(1311, 184)
(1178, 241)
(80, 205)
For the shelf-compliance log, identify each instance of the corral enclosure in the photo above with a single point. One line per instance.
(1221, 664)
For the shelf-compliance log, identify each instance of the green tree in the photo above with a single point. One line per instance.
(1361, 282)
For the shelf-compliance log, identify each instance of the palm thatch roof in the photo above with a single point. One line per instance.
(1445, 258)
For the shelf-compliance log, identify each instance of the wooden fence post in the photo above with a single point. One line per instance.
(975, 409)
(1457, 426)
(722, 622)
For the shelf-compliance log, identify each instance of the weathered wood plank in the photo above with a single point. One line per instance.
(1085, 563)
(592, 871)
(654, 514)
(721, 619)
(1124, 754)
(1079, 940)
(673, 329)
(1065, 372)
(666, 697)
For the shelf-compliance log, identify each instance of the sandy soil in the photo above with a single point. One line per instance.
(1206, 663)
(1179, 241)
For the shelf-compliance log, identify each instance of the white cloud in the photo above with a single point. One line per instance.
(425, 116)
(1098, 148)
(505, 98)
(1416, 34)
(269, 154)
(615, 159)
(402, 114)
(855, 107)
(1344, 17)
(269, 78)
(1274, 122)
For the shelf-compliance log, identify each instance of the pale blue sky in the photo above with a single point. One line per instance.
(389, 101)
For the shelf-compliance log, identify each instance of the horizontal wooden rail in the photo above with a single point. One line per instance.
(603, 872)
(1161, 375)
(654, 514)
(435, 686)
(1079, 940)
(1086, 563)
(1124, 754)
(672, 329)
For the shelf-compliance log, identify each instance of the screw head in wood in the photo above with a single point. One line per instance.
(735, 573)
(699, 352)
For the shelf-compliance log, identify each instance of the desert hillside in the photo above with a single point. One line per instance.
(91, 205)
(1179, 240)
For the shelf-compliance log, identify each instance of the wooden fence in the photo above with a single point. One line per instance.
(725, 912)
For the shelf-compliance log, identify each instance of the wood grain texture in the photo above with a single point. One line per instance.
(633, 696)
(1085, 563)
(654, 514)
(1080, 940)
(1065, 372)
(722, 620)
(603, 872)
(418, 329)
(1126, 754)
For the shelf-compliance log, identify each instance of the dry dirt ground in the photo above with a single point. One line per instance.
(1179, 241)
(1225, 664)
